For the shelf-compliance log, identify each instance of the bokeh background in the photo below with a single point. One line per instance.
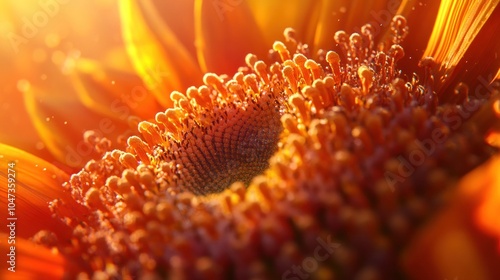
(38, 42)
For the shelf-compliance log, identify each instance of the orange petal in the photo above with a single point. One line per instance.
(493, 139)
(486, 120)
(31, 261)
(30, 184)
(457, 25)
(493, 136)
(111, 92)
(158, 56)
(179, 17)
(464, 240)
(61, 124)
(487, 213)
(14, 116)
(225, 32)
(297, 14)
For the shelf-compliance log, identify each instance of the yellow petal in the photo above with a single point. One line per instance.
(464, 239)
(30, 184)
(457, 25)
(225, 32)
(111, 92)
(158, 56)
(31, 261)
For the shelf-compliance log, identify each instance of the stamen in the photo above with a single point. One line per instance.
(313, 94)
(213, 80)
(366, 76)
(128, 160)
(251, 82)
(300, 61)
(140, 148)
(399, 29)
(298, 102)
(251, 162)
(347, 97)
(314, 68)
(260, 68)
(355, 42)
(334, 60)
(288, 72)
(290, 37)
(282, 50)
(150, 133)
(342, 39)
(250, 60)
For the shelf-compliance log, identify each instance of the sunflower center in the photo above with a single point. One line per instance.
(333, 131)
(216, 135)
(235, 145)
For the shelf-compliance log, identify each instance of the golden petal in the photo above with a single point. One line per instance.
(110, 91)
(158, 56)
(225, 32)
(31, 261)
(31, 184)
(61, 124)
(479, 66)
(464, 239)
(457, 25)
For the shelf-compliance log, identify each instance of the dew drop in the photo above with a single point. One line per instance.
(39, 145)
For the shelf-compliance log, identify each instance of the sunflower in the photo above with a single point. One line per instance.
(342, 151)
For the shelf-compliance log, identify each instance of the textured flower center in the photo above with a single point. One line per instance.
(323, 133)
(219, 145)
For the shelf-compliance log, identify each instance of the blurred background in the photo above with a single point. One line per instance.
(39, 39)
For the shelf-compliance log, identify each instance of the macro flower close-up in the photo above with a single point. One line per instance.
(232, 139)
